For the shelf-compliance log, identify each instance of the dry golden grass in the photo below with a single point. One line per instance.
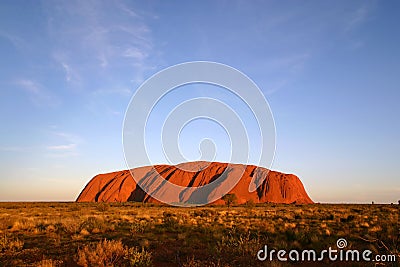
(132, 234)
(48, 263)
(103, 253)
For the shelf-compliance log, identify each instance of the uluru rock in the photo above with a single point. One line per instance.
(272, 186)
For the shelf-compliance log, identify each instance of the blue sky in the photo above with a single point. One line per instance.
(329, 70)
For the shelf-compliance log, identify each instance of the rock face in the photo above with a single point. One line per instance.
(120, 186)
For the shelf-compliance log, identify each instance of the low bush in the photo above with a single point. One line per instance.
(137, 258)
(104, 253)
(10, 245)
(113, 253)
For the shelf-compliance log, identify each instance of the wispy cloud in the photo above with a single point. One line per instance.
(38, 94)
(271, 89)
(68, 137)
(135, 53)
(127, 10)
(357, 18)
(17, 41)
(95, 41)
(123, 91)
(30, 86)
(294, 62)
(64, 145)
(71, 75)
(356, 44)
(67, 71)
(68, 147)
(13, 148)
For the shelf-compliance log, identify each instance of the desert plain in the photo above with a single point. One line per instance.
(148, 234)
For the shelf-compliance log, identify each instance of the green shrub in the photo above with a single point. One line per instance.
(139, 227)
(102, 207)
(138, 258)
(229, 199)
(169, 219)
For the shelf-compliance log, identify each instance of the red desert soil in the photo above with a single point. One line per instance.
(120, 186)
